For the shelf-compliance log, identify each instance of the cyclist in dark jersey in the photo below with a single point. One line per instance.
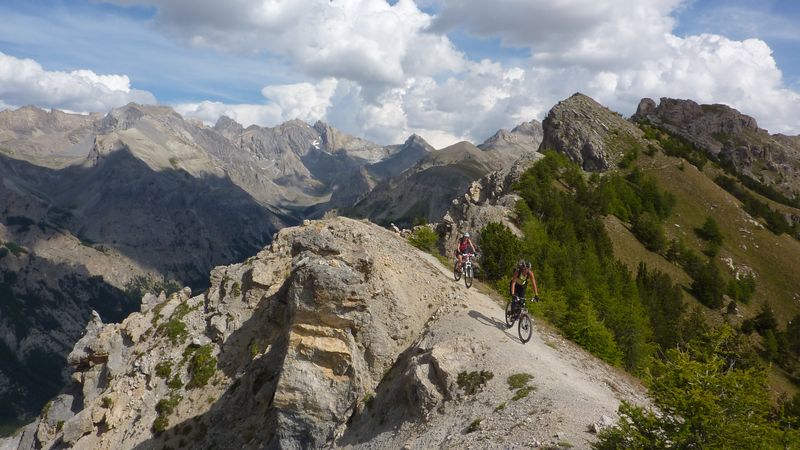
(464, 245)
(519, 281)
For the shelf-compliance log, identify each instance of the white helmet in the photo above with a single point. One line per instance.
(466, 234)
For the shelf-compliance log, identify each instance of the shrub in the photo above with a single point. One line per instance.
(164, 369)
(424, 238)
(648, 230)
(202, 367)
(472, 382)
(500, 250)
(584, 327)
(164, 408)
(742, 290)
(708, 285)
(706, 398)
(475, 425)
(518, 380)
(710, 231)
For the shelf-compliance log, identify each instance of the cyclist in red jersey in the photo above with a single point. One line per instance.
(464, 245)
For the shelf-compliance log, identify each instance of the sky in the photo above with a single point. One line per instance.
(447, 70)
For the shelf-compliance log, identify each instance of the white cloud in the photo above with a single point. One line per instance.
(371, 42)
(24, 82)
(387, 70)
(303, 101)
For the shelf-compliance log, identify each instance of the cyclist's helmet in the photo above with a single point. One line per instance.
(522, 264)
(465, 235)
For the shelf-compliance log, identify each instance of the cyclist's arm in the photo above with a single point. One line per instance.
(513, 281)
(533, 279)
(474, 250)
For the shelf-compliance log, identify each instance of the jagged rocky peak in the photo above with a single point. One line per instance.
(418, 142)
(125, 117)
(228, 127)
(695, 118)
(525, 134)
(588, 133)
(336, 141)
(727, 134)
(279, 352)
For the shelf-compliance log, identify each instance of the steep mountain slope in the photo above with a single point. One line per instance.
(590, 134)
(731, 136)
(426, 189)
(340, 334)
(51, 139)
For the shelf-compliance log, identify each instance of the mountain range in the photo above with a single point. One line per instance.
(98, 210)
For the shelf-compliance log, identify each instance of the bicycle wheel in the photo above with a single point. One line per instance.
(511, 315)
(468, 276)
(525, 328)
(456, 272)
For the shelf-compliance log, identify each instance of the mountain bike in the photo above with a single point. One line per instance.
(517, 309)
(467, 269)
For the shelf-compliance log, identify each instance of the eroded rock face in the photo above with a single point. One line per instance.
(725, 133)
(490, 199)
(590, 134)
(278, 353)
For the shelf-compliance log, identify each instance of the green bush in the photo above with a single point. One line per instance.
(424, 238)
(202, 367)
(472, 382)
(710, 231)
(164, 408)
(584, 327)
(500, 251)
(707, 398)
(164, 369)
(742, 290)
(708, 285)
(648, 230)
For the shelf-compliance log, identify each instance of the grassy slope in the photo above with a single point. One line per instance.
(773, 258)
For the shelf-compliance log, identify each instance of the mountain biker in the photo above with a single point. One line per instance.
(464, 244)
(519, 281)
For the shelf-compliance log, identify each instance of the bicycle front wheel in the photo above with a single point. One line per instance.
(511, 315)
(525, 328)
(468, 276)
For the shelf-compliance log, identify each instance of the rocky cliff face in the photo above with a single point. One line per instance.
(590, 134)
(278, 353)
(489, 199)
(727, 134)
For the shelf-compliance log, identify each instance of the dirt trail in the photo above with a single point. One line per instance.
(573, 389)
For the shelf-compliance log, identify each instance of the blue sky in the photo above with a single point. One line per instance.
(445, 69)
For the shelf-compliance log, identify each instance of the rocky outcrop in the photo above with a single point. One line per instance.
(727, 134)
(278, 353)
(590, 134)
(489, 199)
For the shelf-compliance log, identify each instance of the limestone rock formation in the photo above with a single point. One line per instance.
(293, 339)
(727, 134)
(590, 134)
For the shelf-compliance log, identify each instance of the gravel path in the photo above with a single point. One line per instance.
(572, 390)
